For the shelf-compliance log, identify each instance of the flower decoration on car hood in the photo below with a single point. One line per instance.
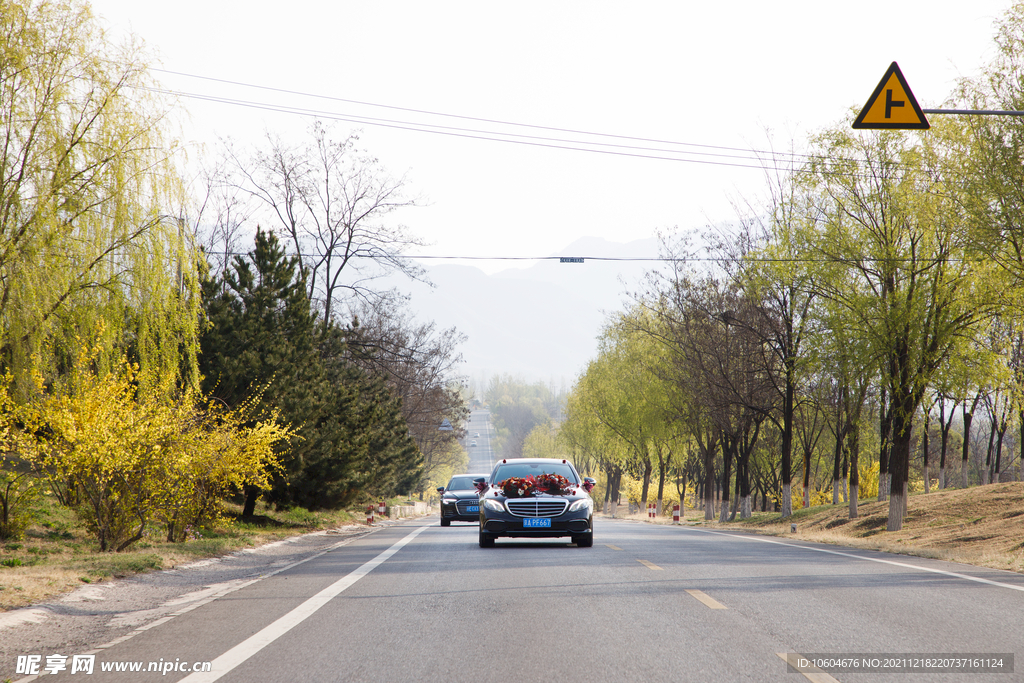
(518, 487)
(553, 484)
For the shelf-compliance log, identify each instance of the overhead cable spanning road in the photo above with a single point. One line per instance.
(648, 602)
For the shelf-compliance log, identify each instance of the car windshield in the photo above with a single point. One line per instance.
(460, 484)
(533, 469)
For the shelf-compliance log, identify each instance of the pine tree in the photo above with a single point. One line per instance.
(352, 440)
(262, 338)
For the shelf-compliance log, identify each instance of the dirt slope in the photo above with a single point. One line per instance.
(982, 525)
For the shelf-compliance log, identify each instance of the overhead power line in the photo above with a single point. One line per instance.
(594, 142)
(638, 259)
(484, 120)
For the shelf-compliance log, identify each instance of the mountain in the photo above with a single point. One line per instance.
(540, 322)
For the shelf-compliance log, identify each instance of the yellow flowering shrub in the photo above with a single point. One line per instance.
(124, 459)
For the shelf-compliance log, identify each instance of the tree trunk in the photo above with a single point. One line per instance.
(854, 470)
(837, 462)
(899, 461)
(999, 451)
(646, 490)
(787, 440)
(944, 428)
(709, 485)
(735, 506)
(966, 451)
(727, 453)
(897, 507)
(924, 453)
(252, 494)
(885, 448)
(986, 471)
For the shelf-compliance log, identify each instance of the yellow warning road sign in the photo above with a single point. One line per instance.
(892, 105)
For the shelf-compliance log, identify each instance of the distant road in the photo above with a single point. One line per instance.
(417, 602)
(481, 456)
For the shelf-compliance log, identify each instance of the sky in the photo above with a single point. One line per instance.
(683, 97)
(729, 74)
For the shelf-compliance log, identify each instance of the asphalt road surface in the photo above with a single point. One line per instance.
(417, 602)
(480, 430)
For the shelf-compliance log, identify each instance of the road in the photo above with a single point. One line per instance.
(646, 603)
(480, 430)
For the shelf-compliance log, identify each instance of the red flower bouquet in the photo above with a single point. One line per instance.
(518, 487)
(554, 484)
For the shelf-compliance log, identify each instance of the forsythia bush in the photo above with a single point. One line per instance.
(868, 473)
(633, 490)
(124, 460)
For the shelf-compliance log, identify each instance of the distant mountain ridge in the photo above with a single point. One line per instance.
(540, 322)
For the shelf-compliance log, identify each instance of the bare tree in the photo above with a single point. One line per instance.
(421, 366)
(334, 204)
(218, 216)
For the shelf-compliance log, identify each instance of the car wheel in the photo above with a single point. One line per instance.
(446, 522)
(584, 540)
(486, 539)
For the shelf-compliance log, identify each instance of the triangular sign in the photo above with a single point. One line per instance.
(446, 426)
(892, 105)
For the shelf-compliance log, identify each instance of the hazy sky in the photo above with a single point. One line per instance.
(695, 76)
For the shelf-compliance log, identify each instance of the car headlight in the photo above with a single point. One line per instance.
(449, 501)
(495, 505)
(581, 504)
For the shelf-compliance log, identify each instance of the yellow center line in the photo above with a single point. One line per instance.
(706, 599)
(650, 565)
(810, 672)
(613, 547)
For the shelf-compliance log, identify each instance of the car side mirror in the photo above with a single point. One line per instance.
(440, 489)
(480, 484)
(589, 484)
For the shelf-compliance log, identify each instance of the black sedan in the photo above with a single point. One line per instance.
(459, 500)
(536, 498)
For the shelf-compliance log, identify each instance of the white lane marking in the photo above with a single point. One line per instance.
(247, 648)
(906, 565)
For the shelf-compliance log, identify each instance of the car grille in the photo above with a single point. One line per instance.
(463, 504)
(536, 507)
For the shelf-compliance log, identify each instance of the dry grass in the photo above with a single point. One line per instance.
(981, 526)
(57, 555)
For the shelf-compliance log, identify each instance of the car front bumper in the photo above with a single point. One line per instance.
(458, 513)
(569, 524)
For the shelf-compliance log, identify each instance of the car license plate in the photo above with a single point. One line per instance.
(472, 508)
(536, 522)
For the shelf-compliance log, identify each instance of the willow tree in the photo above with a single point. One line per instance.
(88, 234)
(592, 448)
(890, 216)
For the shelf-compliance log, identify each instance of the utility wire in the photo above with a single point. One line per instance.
(494, 136)
(779, 161)
(535, 141)
(638, 259)
(481, 119)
